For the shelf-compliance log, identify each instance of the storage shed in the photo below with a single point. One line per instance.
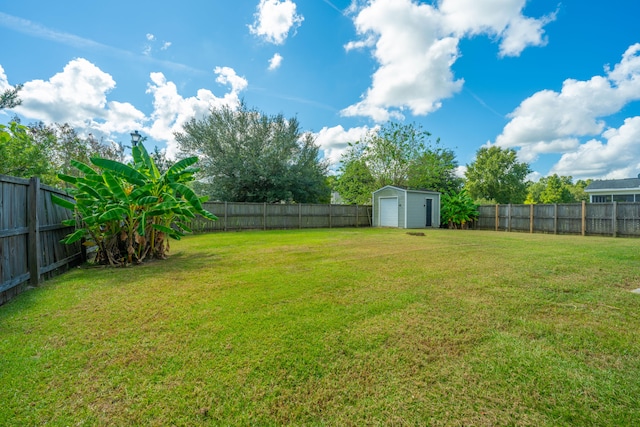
(402, 208)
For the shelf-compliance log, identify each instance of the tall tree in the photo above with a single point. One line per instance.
(390, 151)
(355, 183)
(435, 169)
(63, 145)
(497, 175)
(22, 157)
(248, 156)
(395, 154)
(556, 189)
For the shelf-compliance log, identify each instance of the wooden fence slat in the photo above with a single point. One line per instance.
(15, 232)
(33, 252)
(14, 282)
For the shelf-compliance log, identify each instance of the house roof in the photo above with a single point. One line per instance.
(614, 184)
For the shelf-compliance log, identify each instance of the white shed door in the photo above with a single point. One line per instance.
(389, 212)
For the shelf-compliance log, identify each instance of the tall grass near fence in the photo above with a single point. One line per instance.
(335, 327)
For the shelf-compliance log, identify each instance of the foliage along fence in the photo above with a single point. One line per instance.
(30, 233)
(267, 216)
(615, 219)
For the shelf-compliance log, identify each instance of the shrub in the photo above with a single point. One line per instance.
(128, 211)
(458, 209)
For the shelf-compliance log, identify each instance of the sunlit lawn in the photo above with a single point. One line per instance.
(334, 327)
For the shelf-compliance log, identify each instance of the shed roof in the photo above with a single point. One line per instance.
(406, 190)
(614, 184)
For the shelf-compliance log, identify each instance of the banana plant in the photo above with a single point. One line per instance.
(128, 211)
(458, 209)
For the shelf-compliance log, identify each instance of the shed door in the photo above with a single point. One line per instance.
(429, 219)
(389, 212)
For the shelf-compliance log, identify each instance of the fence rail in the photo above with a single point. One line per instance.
(617, 219)
(265, 216)
(30, 232)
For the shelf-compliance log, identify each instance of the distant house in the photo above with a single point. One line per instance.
(614, 190)
(402, 208)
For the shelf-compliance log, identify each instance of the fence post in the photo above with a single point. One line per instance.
(509, 218)
(614, 217)
(555, 218)
(264, 216)
(584, 218)
(329, 215)
(357, 217)
(300, 216)
(497, 217)
(225, 216)
(531, 218)
(33, 257)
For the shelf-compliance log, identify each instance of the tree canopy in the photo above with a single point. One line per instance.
(395, 154)
(496, 175)
(557, 189)
(45, 150)
(9, 98)
(248, 156)
(21, 156)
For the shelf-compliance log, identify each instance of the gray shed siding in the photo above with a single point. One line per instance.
(416, 210)
(412, 211)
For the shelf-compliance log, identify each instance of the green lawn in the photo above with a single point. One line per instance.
(334, 327)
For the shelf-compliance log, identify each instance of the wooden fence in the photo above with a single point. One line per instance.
(30, 233)
(615, 219)
(266, 216)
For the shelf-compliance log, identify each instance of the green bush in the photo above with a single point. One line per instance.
(128, 211)
(458, 209)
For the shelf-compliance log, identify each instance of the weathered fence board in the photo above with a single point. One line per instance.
(589, 219)
(266, 216)
(30, 234)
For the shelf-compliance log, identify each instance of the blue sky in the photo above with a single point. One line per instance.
(559, 82)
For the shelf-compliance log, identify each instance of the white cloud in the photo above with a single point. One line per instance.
(499, 18)
(152, 40)
(78, 96)
(4, 82)
(274, 20)
(618, 157)
(416, 44)
(523, 32)
(228, 76)
(414, 61)
(334, 141)
(171, 110)
(554, 122)
(275, 62)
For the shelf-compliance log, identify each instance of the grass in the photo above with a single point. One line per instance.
(344, 327)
